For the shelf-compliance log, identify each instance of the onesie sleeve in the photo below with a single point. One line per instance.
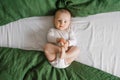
(72, 40)
(50, 36)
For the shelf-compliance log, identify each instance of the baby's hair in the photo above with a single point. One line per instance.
(63, 10)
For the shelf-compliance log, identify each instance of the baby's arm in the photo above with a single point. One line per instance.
(51, 37)
(72, 41)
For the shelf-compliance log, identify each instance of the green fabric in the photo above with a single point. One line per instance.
(17, 64)
(17, 9)
(90, 7)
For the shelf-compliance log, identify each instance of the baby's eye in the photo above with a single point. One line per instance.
(59, 20)
(65, 21)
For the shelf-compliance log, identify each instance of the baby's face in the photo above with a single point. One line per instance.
(62, 20)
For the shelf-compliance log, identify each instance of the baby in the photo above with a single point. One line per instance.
(61, 49)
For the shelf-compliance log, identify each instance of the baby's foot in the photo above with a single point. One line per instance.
(63, 53)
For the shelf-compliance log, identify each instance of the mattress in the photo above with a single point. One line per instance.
(97, 37)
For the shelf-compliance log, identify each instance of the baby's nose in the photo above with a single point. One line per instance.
(62, 23)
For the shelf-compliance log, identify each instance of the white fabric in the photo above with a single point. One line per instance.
(97, 35)
(68, 34)
(59, 63)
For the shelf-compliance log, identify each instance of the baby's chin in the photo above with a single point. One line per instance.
(62, 28)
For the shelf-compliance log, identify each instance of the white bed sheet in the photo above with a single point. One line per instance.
(97, 35)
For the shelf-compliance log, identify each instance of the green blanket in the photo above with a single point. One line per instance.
(17, 64)
(12, 10)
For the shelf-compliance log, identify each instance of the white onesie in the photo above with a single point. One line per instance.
(69, 35)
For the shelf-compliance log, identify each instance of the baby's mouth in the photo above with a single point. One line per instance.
(61, 26)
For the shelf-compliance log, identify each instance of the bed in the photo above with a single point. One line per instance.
(23, 28)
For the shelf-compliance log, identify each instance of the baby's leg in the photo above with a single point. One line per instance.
(63, 53)
(71, 54)
(50, 51)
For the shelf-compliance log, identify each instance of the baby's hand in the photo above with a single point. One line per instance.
(61, 41)
(66, 45)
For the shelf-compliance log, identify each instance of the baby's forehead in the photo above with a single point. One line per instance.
(63, 11)
(62, 15)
